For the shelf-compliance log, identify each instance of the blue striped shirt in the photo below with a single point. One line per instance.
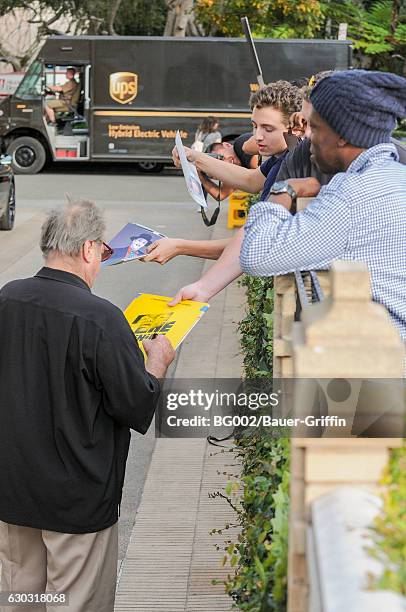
(360, 215)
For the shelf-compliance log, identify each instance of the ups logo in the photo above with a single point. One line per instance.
(123, 86)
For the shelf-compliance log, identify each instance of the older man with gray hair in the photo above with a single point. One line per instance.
(73, 382)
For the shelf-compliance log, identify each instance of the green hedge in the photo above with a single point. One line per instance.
(257, 327)
(261, 494)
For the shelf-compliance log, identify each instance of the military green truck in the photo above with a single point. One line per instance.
(135, 92)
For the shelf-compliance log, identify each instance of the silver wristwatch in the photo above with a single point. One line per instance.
(283, 187)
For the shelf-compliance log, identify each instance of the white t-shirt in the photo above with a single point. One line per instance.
(203, 140)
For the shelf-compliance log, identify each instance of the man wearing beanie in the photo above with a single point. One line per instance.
(361, 214)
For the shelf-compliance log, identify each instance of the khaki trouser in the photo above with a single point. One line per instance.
(83, 566)
(58, 105)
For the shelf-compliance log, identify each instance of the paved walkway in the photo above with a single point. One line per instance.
(171, 558)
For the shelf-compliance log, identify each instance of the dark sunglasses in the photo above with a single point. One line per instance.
(107, 252)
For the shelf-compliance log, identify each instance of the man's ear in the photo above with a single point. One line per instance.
(341, 143)
(88, 251)
(227, 145)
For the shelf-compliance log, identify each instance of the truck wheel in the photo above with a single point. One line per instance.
(7, 218)
(28, 155)
(150, 166)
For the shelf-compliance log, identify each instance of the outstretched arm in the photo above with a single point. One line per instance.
(221, 274)
(251, 181)
(166, 249)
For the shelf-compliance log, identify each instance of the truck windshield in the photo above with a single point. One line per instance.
(31, 83)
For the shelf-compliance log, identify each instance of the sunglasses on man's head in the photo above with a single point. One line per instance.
(107, 252)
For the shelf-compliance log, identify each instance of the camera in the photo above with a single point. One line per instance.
(216, 155)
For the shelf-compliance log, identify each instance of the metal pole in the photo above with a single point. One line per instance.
(248, 36)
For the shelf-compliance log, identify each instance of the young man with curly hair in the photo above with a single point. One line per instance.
(271, 107)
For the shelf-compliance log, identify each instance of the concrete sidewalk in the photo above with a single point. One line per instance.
(171, 558)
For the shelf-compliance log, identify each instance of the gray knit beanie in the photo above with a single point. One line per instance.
(360, 105)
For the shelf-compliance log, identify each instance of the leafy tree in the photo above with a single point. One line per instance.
(378, 32)
(377, 27)
(140, 18)
(123, 17)
(268, 18)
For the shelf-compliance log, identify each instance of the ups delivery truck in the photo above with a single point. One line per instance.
(135, 92)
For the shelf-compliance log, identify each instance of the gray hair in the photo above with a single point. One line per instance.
(66, 229)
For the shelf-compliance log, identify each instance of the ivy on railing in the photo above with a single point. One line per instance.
(256, 329)
(389, 529)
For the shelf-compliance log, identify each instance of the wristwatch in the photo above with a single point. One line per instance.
(284, 187)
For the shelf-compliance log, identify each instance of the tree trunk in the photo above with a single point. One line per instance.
(194, 28)
(170, 18)
(112, 17)
(10, 59)
(395, 16)
(180, 12)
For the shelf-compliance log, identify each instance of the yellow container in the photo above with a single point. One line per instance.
(237, 209)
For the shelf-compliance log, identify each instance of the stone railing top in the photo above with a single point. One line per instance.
(350, 281)
(347, 334)
(349, 315)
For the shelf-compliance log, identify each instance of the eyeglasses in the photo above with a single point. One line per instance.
(107, 252)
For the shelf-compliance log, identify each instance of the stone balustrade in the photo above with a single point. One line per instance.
(345, 337)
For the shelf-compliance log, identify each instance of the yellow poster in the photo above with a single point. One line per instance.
(150, 315)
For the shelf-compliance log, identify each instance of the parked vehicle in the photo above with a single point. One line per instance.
(7, 194)
(135, 92)
(9, 81)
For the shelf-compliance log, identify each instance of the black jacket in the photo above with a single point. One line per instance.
(72, 383)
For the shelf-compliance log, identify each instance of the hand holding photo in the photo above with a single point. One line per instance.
(131, 243)
(190, 173)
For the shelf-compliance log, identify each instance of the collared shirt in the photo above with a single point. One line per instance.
(69, 89)
(360, 215)
(72, 381)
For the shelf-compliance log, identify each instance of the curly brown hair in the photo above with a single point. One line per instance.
(281, 95)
